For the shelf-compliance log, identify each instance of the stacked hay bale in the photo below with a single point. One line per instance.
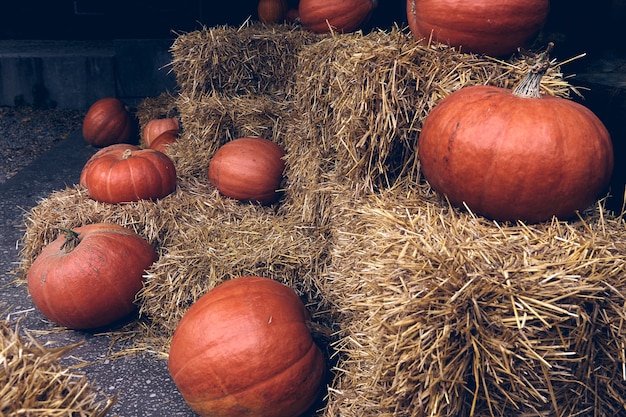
(423, 309)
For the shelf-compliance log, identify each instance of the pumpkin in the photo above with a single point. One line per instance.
(154, 127)
(515, 155)
(492, 27)
(323, 16)
(164, 140)
(107, 122)
(89, 276)
(248, 169)
(272, 11)
(123, 173)
(244, 349)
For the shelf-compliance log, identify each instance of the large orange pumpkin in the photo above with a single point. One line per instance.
(107, 122)
(492, 27)
(322, 16)
(89, 277)
(248, 169)
(244, 349)
(515, 155)
(123, 173)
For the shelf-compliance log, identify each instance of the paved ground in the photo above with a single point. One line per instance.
(142, 383)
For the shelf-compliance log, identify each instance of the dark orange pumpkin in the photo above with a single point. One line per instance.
(248, 169)
(89, 277)
(272, 11)
(164, 140)
(107, 122)
(515, 155)
(322, 16)
(122, 173)
(155, 127)
(492, 27)
(244, 349)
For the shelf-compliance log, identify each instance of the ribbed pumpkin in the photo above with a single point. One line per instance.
(89, 276)
(492, 27)
(248, 169)
(164, 140)
(322, 16)
(244, 349)
(107, 122)
(154, 127)
(123, 173)
(516, 155)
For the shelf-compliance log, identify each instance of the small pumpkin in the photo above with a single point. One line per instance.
(516, 155)
(492, 27)
(164, 140)
(323, 16)
(123, 173)
(244, 349)
(154, 127)
(89, 276)
(107, 122)
(248, 169)
(272, 11)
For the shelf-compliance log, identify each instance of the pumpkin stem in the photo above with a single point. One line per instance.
(127, 153)
(71, 239)
(530, 86)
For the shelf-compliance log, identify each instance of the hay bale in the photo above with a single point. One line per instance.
(248, 60)
(444, 313)
(364, 98)
(33, 382)
(220, 239)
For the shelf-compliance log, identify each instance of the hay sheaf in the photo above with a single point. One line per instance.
(364, 98)
(223, 239)
(248, 60)
(34, 383)
(444, 313)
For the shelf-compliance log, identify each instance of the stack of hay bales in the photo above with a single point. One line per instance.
(423, 309)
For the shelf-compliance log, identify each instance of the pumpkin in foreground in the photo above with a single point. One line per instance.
(516, 155)
(89, 276)
(244, 349)
(492, 27)
(248, 169)
(107, 122)
(124, 173)
(324, 16)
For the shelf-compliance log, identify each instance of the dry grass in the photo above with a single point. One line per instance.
(34, 383)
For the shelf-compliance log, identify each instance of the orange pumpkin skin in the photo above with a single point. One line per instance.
(164, 140)
(244, 349)
(492, 27)
(272, 11)
(107, 122)
(248, 169)
(93, 284)
(155, 127)
(515, 158)
(123, 173)
(343, 16)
